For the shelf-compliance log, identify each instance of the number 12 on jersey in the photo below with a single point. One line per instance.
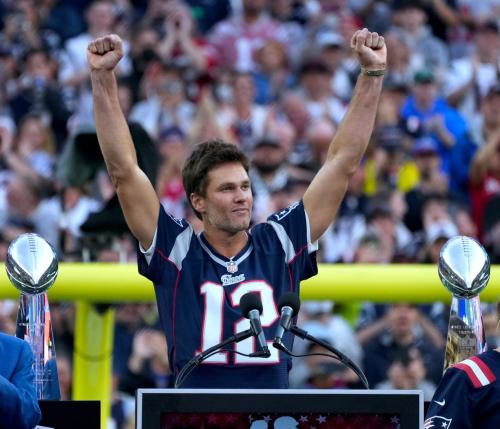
(213, 321)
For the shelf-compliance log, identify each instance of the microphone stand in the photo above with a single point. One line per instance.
(199, 358)
(341, 356)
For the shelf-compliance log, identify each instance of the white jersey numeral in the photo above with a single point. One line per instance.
(213, 321)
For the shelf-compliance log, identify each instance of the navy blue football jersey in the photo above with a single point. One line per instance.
(198, 293)
(468, 396)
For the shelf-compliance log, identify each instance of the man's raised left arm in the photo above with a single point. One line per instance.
(325, 193)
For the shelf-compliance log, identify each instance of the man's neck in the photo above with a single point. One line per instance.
(228, 245)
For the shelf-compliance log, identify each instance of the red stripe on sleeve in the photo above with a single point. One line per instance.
(470, 373)
(485, 368)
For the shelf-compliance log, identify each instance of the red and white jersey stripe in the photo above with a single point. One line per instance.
(477, 371)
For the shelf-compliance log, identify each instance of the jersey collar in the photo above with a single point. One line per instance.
(221, 259)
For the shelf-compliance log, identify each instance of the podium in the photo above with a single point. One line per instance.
(278, 409)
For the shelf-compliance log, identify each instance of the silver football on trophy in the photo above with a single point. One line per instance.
(31, 264)
(464, 266)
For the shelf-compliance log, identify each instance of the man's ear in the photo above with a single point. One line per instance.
(198, 202)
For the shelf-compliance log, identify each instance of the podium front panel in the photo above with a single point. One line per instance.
(278, 409)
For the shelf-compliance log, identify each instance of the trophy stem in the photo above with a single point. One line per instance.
(465, 330)
(34, 326)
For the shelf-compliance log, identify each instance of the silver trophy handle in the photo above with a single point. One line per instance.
(464, 269)
(32, 268)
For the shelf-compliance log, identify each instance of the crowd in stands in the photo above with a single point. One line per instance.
(274, 77)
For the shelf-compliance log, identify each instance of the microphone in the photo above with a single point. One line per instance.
(251, 308)
(289, 306)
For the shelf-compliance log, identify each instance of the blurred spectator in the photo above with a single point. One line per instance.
(392, 203)
(389, 166)
(470, 78)
(425, 113)
(408, 372)
(173, 153)
(403, 62)
(431, 181)
(272, 74)
(315, 88)
(340, 241)
(180, 44)
(294, 108)
(485, 178)
(319, 320)
(129, 318)
(65, 376)
(319, 134)
(148, 365)
(437, 233)
(237, 37)
(429, 50)
(39, 94)
(487, 120)
(287, 12)
(62, 17)
(403, 327)
(166, 103)
(332, 51)
(32, 153)
(73, 73)
(77, 205)
(243, 118)
(25, 210)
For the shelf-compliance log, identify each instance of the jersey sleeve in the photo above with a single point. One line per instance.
(292, 228)
(173, 238)
(453, 402)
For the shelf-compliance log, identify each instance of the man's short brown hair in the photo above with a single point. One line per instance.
(205, 157)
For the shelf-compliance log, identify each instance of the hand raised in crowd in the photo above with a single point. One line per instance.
(104, 53)
(370, 49)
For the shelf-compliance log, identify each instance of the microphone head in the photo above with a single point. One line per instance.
(291, 300)
(250, 301)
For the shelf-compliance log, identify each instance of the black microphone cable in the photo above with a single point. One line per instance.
(337, 354)
(251, 308)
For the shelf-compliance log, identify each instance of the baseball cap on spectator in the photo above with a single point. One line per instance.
(314, 66)
(487, 26)
(329, 39)
(440, 231)
(424, 146)
(171, 132)
(424, 76)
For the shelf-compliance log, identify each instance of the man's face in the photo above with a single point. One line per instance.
(425, 94)
(253, 6)
(268, 158)
(227, 204)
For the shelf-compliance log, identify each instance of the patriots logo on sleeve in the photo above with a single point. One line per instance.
(437, 422)
(286, 211)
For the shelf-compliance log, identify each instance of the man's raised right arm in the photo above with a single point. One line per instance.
(137, 196)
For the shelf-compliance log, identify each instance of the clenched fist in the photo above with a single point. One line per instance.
(370, 49)
(104, 53)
